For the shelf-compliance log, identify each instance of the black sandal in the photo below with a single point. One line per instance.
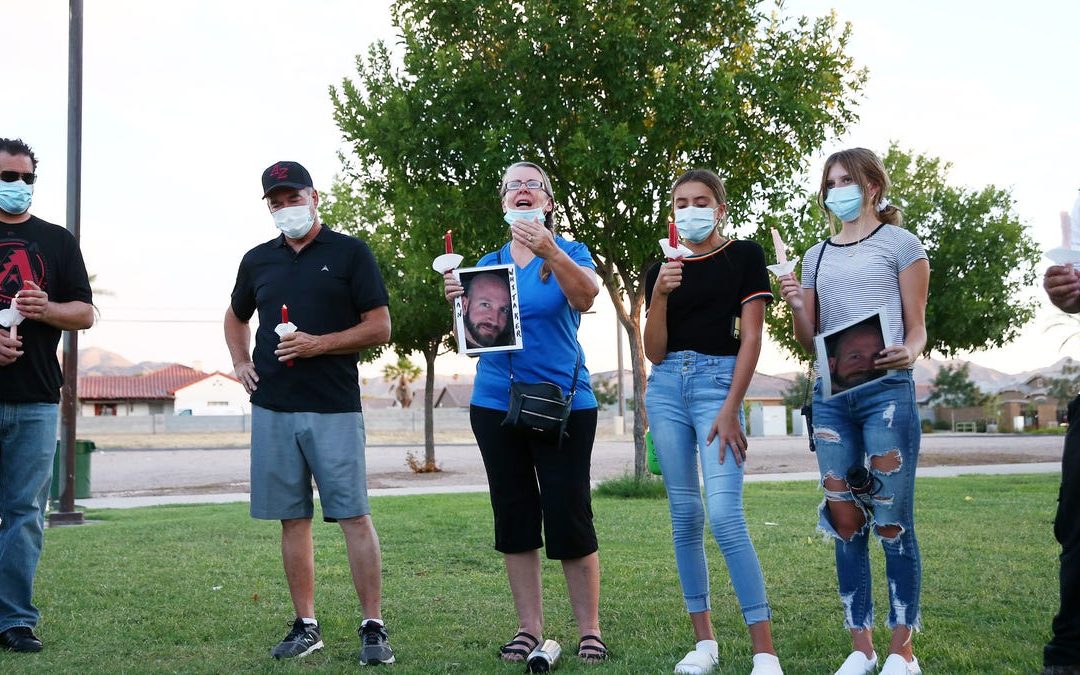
(519, 648)
(592, 653)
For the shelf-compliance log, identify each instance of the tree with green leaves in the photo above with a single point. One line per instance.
(615, 99)
(420, 316)
(953, 388)
(981, 256)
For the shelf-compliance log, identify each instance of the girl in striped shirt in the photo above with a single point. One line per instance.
(870, 263)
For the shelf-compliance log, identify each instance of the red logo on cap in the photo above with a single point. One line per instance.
(279, 172)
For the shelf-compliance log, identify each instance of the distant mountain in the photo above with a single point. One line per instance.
(987, 379)
(96, 361)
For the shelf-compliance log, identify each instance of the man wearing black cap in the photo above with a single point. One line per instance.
(323, 292)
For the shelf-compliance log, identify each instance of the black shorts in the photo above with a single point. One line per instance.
(533, 482)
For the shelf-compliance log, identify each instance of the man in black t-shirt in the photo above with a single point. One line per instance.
(305, 395)
(44, 290)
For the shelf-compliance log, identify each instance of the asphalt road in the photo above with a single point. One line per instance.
(118, 473)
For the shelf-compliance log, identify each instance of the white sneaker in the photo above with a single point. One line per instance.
(857, 664)
(700, 661)
(766, 664)
(897, 665)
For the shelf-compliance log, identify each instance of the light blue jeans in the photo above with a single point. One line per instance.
(27, 447)
(685, 392)
(876, 427)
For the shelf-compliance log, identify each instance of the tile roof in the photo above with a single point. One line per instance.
(159, 384)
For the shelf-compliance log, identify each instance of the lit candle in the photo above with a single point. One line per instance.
(284, 314)
(1066, 231)
(672, 235)
(449, 242)
(778, 243)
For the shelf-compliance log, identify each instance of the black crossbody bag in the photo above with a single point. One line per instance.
(541, 408)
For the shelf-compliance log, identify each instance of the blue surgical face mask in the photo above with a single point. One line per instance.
(294, 221)
(695, 223)
(528, 214)
(15, 197)
(845, 202)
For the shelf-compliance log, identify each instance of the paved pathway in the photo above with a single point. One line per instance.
(130, 478)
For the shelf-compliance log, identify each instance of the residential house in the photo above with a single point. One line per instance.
(175, 389)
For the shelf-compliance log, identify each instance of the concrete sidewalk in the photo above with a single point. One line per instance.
(807, 476)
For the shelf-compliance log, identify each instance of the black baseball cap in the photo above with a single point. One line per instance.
(285, 174)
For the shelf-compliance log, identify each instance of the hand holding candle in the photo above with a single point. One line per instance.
(448, 260)
(284, 328)
(671, 247)
(783, 266)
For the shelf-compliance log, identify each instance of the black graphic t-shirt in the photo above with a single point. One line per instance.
(49, 256)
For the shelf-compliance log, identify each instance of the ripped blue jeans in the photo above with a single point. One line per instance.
(876, 427)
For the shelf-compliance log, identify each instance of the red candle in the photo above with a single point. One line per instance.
(449, 242)
(672, 235)
(284, 314)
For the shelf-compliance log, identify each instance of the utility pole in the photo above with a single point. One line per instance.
(67, 515)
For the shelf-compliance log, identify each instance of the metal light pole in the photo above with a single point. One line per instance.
(67, 515)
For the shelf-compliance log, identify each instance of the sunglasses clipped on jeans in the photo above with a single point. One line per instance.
(12, 176)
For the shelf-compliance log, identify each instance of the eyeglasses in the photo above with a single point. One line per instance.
(516, 184)
(12, 176)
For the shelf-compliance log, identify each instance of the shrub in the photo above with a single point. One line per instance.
(632, 487)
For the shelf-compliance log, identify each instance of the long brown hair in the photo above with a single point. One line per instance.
(864, 167)
(549, 217)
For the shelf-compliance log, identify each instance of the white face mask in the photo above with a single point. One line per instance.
(294, 221)
(524, 214)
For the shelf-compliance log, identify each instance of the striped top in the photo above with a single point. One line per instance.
(856, 279)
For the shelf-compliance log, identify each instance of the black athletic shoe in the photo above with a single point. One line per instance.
(20, 639)
(374, 644)
(301, 641)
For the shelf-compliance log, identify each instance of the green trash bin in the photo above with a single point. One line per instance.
(82, 471)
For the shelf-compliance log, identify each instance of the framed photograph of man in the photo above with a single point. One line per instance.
(486, 317)
(846, 355)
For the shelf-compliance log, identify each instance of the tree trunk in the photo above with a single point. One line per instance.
(631, 321)
(430, 353)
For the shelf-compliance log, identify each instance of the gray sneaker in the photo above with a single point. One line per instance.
(374, 644)
(301, 641)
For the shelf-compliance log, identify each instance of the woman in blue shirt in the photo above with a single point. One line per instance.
(534, 481)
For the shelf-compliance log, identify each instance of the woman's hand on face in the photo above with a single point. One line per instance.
(452, 286)
(791, 290)
(669, 278)
(896, 357)
(726, 426)
(533, 235)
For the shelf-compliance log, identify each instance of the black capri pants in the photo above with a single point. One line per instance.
(534, 482)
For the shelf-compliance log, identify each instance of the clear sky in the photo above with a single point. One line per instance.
(186, 103)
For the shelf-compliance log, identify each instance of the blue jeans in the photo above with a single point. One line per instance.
(685, 393)
(876, 427)
(27, 447)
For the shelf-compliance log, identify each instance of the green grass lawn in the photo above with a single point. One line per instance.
(200, 588)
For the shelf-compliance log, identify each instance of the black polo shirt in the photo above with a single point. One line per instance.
(327, 286)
